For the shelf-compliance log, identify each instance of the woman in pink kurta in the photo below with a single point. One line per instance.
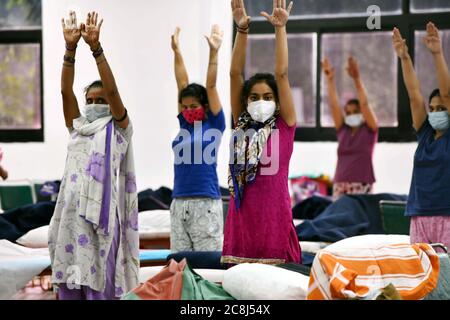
(357, 134)
(259, 224)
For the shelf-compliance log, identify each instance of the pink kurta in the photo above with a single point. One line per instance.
(261, 230)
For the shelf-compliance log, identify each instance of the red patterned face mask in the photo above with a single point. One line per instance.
(192, 115)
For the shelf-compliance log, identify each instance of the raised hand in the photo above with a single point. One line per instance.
(71, 31)
(90, 31)
(280, 15)
(215, 39)
(399, 44)
(3, 173)
(432, 40)
(240, 16)
(328, 69)
(353, 68)
(175, 43)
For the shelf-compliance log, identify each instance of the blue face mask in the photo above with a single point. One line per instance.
(439, 120)
(93, 112)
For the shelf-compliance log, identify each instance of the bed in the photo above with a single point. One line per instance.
(19, 265)
(154, 232)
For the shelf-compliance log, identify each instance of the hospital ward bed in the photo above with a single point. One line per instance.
(19, 265)
(154, 232)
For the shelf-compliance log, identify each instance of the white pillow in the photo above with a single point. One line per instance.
(313, 246)
(370, 241)
(152, 224)
(255, 281)
(36, 238)
(213, 275)
(154, 221)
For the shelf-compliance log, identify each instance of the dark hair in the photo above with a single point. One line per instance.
(354, 101)
(434, 93)
(95, 84)
(196, 91)
(267, 78)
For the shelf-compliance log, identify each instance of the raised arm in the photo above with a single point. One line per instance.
(279, 18)
(418, 110)
(238, 57)
(91, 34)
(181, 74)
(333, 99)
(433, 42)
(366, 110)
(72, 35)
(214, 41)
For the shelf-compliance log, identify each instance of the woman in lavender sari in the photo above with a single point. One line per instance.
(93, 236)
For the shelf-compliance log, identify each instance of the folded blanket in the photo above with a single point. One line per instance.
(177, 281)
(200, 259)
(14, 223)
(362, 273)
(310, 208)
(18, 265)
(349, 216)
(159, 199)
(442, 291)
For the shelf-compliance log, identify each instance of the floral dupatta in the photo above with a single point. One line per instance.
(96, 191)
(247, 142)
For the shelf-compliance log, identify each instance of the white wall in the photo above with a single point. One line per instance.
(136, 39)
(393, 163)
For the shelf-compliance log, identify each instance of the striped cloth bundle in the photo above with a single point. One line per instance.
(361, 273)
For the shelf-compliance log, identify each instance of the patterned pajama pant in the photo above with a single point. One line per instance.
(196, 224)
(342, 188)
(430, 229)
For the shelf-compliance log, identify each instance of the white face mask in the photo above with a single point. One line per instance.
(261, 110)
(354, 120)
(93, 112)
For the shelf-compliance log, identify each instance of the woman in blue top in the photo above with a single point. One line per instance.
(196, 209)
(429, 202)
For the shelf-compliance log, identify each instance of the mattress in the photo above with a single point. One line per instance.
(154, 224)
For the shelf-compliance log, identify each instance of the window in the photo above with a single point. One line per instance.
(380, 82)
(20, 86)
(424, 62)
(303, 71)
(337, 29)
(422, 6)
(308, 9)
(20, 71)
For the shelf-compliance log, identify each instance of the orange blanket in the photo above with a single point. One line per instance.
(360, 273)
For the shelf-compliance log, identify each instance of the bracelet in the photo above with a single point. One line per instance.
(99, 46)
(97, 53)
(243, 30)
(69, 59)
(68, 65)
(71, 49)
(124, 116)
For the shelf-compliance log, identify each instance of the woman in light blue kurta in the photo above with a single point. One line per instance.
(93, 236)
